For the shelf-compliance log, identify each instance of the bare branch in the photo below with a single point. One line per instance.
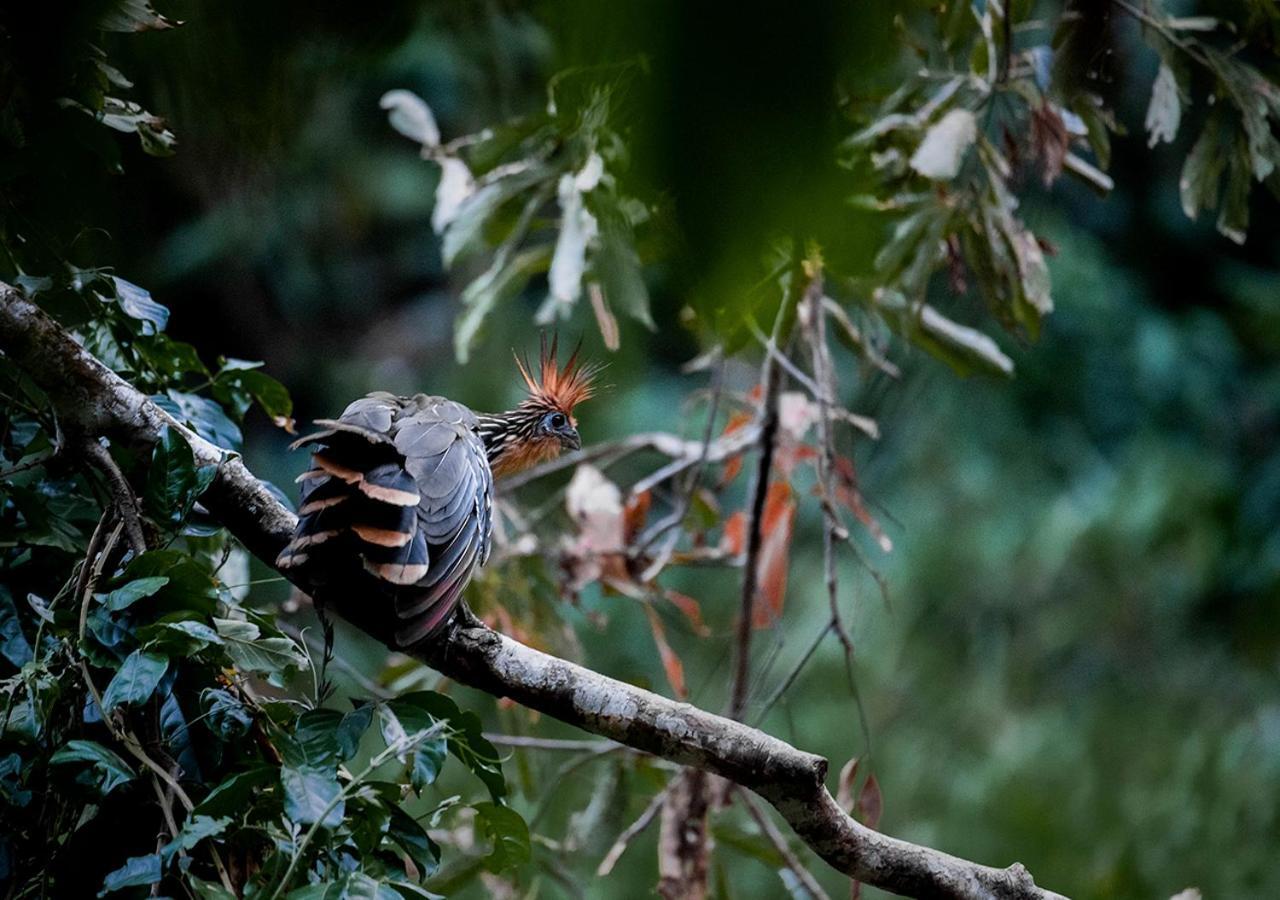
(631, 832)
(101, 402)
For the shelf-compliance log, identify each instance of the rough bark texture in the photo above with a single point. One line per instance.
(684, 842)
(93, 400)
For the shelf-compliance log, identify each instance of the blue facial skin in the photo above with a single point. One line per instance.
(560, 426)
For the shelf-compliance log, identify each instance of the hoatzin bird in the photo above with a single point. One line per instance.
(402, 488)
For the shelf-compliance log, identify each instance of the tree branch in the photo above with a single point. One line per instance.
(85, 391)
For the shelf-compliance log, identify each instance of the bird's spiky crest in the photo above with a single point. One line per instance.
(559, 387)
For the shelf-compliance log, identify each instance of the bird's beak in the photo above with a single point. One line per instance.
(571, 439)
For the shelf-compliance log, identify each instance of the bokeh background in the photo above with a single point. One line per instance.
(1078, 664)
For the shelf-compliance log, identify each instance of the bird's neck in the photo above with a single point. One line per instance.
(512, 442)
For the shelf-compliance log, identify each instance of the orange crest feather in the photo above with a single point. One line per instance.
(558, 387)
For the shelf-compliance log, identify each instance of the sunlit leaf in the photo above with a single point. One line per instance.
(944, 146)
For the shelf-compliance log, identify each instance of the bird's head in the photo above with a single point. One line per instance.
(542, 425)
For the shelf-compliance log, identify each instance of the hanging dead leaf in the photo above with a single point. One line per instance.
(634, 514)
(691, 609)
(870, 802)
(848, 494)
(776, 527)
(844, 790)
(734, 539)
(1049, 141)
(671, 663)
(733, 465)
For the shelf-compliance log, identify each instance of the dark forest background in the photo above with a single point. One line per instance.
(1077, 663)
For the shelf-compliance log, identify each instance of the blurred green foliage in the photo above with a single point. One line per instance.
(1077, 666)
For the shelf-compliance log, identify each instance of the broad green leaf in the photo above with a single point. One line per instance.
(234, 795)
(107, 770)
(137, 679)
(1201, 172)
(312, 795)
(616, 266)
(501, 282)
(315, 740)
(203, 416)
(137, 304)
(137, 871)
(126, 596)
(14, 645)
(465, 738)
(251, 652)
(174, 481)
(465, 232)
(508, 833)
(225, 715)
(196, 829)
(413, 839)
(352, 728)
(183, 637)
(422, 736)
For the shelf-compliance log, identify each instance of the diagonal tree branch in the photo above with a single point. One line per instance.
(85, 392)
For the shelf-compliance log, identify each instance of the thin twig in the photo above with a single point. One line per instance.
(631, 832)
(683, 451)
(779, 842)
(122, 495)
(524, 742)
(681, 509)
(771, 382)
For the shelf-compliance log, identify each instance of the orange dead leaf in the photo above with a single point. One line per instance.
(634, 514)
(691, 609)
(734, 540)
(733, 465)
(671, 663)
(776, 527)
(847, 493)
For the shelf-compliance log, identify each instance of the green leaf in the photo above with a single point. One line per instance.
(501, 282)
(404, 719)
(235, 794)
(133, 15)
(196, 829)
(138, 870)
(14, 645)
(203, 416)
(465, 740)
(190, 589)
(616, 265)
(510, 836)
(251, 652)
(352, 728)
(465, 232)
(137, 679)
(137, 304)
(184, 637)
(239, 382)
(107, 770)
(1198, 183)
(314, 742)
(312, 795)
(174, 482)
(131, 593)
(413, 839)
